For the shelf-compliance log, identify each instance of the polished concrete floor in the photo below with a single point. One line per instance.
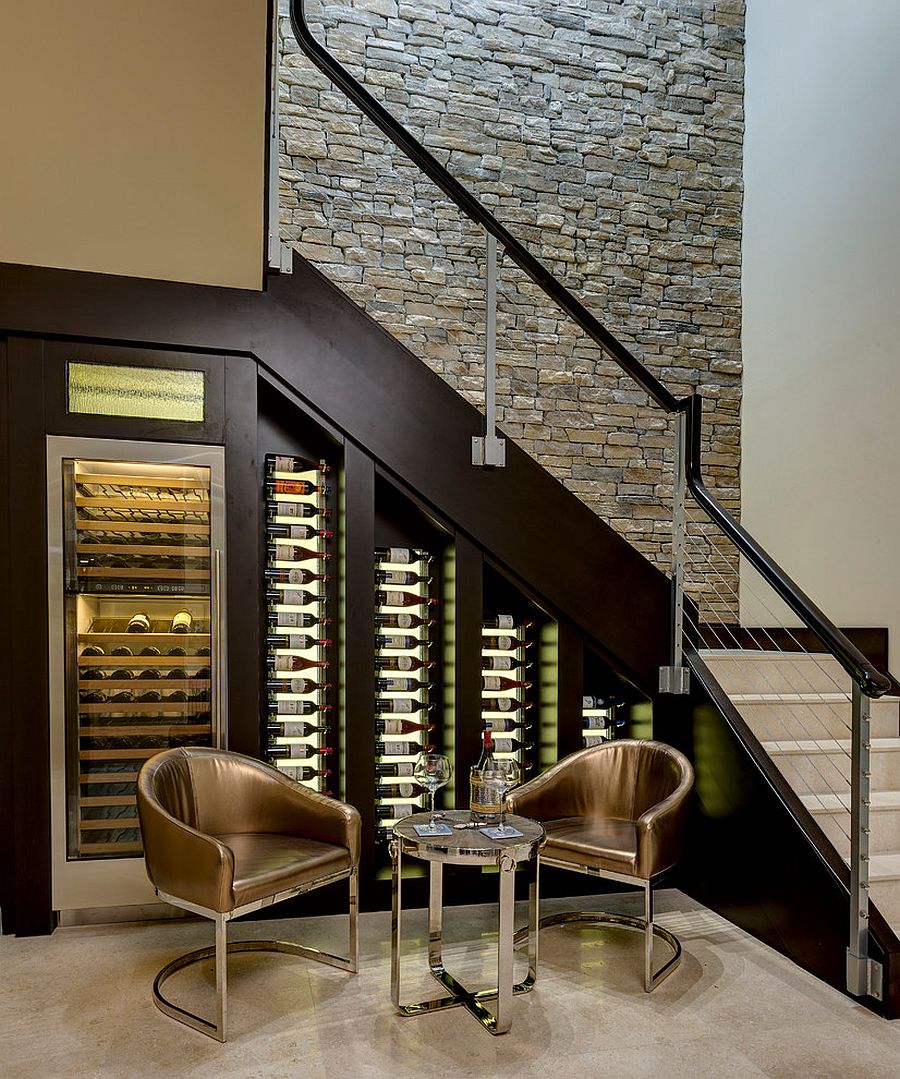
(78, 1004)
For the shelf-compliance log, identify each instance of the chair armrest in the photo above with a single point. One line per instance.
(184, 862)
(660, 830)
(544, 797)
(292, 809)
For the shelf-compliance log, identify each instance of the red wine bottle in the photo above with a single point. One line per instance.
(401, 706)
(281, 463)
(93, 650)
(502, 663)
(291, 597)
(296, 487)
(506, 622)
(494, 683)
(503, 704)
(293, 729)
(295, 708)
(393, 640)
(394, 598)
(401, 749)
(296, 640)
(296, 751)
(396, 577)
(495, 725)
(398, 768)
(286, 552)
(303, 773)
(400, 790)
(598, 723)
(402, 556)
(594, 702)
(295, 620)
(402, 620)
(399, 685)
(294, 663)
(510, 745)
(503, 642)
(300, 575)
(294, 509)
(295, 685)
(298, 532)
(402, 663)
(396, 812)
(401, 726)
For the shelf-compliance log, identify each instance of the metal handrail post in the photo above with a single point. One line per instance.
(676, 677)
(490, 451)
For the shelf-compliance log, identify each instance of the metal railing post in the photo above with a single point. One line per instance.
(864, 976)
(490, 450)
(676, 678)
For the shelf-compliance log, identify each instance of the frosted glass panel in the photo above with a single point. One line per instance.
(103, 389)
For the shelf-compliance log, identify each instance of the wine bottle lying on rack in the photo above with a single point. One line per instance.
(293, 663)
(503, 704)
(493, 724)
(299, 641)
(285, 552)
(495, 683)
(396, 641)
(292, 729)
(396, 598)
(280, 463)
(298, 532)
(399, 577)
(401, 726)
(300, 575)
(401, 620)
(294, 509)
(296, 751)
(291, 597)
(295, 708)
(400, 685)
(401, 749)
(304, 774)
(295, 685)
(489, 664)
(402, 556)
(510, 745)
(296, 620)
(504, 643)
(401, 705)
(400, 790)
(396, 768)
(402, 663)
(395, 812)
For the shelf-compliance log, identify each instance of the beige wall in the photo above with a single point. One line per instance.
(133, 137)
(821, 292)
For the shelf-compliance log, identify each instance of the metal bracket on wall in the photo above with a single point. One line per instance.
(674, 680)
(865, 977)
(490, 451)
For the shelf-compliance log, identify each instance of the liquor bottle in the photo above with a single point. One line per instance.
(293, 663)
(301, 641)
(293, 729)
(297, 751)
(396, 812)
(401, 726)
(510, 745)
(506, 725)
(400, 790)
(295, 487)
(138, 623)
(299, 575)
(149, 650)
(402, 556)
(401, 620)
(503, 642)
(401, 749)
(503, 704)
(396, 577)
(295, 685)
(398, 768)
(495, 683)
(291, 597)
(399, 685)
(502, 663)
(484, 800)
(294, 509)
(92, 650)
(395, 598)
(295, 708)
(393, 640)
(401, 705)
(286, 552)
(182, 622)
(295, 620)
(298, 532)
(402, 663)
(281, 463)
(303, 773)
(121, 650)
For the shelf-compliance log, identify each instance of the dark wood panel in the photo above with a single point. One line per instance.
(7, 802)
(571, 689)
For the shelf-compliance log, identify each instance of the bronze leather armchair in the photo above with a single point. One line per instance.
(225, 835)
(616, 811)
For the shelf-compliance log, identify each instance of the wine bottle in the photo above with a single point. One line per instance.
(506, 725)
(399, 685)
(177, 650)
(123, 696)
(400, 790)
(300, 575)
(295, 685)
(502, 621)
(303, 773)
(182, 622)
(395, 598)
(281, 463)
(148, 673)
(397, 768)
(503, 642)
(92, 697)
(595, 702)
(597, 723)
(503, 704)
(496, 683)
(293, 663)
(401, 749)
(294, 509)
(396, 812)
(121, 650)
(121, 674)
(92, 650)
(149, 695)
(295, 620)
(177, 696)
(393, 640)
(401, 705)
(401, 663)
(401, 620)
(138, 623)
(91, 673)
(396, 577)
(402, 556)
(510, 745)
(203, 650)
(291, 597)
(293, 729)
(295, 708)
(176, 672)
(401, 726)
(295, 487)
(502, 663)
(149, 650)
(285, 552)
(298, 532)
(484, 799)
(299, 641)
(297, 751)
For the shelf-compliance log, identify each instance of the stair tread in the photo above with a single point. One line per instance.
(826, 745)
(837, 803)
(884, 867)
(790, 698)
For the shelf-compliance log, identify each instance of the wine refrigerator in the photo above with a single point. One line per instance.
(135, 552)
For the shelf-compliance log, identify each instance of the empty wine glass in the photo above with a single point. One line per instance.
(432, 770)
(503, 775)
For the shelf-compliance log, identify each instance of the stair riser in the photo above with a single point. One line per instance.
(824, 773)
(883, 839)
(779, 722)
(765, 675)
(886, 896)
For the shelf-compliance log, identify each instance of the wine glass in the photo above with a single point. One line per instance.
(432, 770)
(503, 775)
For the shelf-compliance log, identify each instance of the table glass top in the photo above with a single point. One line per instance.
(469, 840)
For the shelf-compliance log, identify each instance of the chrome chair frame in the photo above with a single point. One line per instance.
(222, 948)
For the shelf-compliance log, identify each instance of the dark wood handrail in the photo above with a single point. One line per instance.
(869, 679)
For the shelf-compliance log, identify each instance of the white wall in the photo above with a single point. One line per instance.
(821, 302)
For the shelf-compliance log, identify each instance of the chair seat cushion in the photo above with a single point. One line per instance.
(608, 843)
(265, 864)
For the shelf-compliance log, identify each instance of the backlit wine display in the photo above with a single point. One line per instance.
(598, 719)
(505, 702)
(404, 720)
(298, 639)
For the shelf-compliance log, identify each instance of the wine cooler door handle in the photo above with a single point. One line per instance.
(220, 707)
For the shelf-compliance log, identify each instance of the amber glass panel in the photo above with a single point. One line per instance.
(103, 389)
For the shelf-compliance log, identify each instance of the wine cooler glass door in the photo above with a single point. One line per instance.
(135, 545)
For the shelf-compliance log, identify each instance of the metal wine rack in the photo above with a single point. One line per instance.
(403, 647)
(298, 647)
(505, 645)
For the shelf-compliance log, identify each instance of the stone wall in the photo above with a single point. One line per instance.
(607, 136)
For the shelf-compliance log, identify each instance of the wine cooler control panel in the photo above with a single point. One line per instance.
(298, 653)
(404, 718)
(505, 698)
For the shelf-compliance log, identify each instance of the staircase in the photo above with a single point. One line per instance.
(798, 706)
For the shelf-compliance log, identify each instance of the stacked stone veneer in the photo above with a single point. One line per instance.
(607, 137)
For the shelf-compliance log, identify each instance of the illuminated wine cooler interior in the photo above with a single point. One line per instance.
(404, 705)
(505, 685)
(139, 663)
(298, 650)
